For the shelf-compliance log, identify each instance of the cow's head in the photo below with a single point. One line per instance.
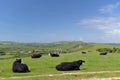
(80, 62)
(19, 60)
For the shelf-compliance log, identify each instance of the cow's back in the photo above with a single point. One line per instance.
(65, 66)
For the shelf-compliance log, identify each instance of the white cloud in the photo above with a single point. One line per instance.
(109, 8)
(110, 26)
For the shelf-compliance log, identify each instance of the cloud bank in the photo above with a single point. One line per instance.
(108, 25)
(109, 8)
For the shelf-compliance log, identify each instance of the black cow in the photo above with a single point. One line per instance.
(83, 52)
(103, 53)
(36, 56)
(54, 54)
(18, 66)
(68, 66)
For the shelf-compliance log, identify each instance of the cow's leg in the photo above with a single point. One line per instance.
(77, 68)
(26, 68)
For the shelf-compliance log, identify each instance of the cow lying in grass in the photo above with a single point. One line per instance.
(103, 53)
(36, 56)
(53, 54)
(83, 52)
(19, 67)
(68, 66)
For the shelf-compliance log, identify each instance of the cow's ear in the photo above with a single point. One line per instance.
(18, 60)
(80, 61)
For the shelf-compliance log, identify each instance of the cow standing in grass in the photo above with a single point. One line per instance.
(18, 66)
(68, 66)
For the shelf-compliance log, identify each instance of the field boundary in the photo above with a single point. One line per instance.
(66, 73)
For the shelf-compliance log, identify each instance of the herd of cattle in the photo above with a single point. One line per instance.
(101, 53)
(18, 66)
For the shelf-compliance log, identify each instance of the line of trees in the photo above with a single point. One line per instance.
(110, 50)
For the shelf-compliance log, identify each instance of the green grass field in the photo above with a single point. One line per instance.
(46, 66)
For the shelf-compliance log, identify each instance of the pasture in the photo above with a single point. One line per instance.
(96, 66)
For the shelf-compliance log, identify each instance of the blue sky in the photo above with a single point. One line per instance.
(60, 20)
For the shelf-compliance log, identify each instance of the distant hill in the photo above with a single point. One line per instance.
(62, 46)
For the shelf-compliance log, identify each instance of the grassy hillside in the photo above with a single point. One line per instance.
(55, 45)
(46, 64)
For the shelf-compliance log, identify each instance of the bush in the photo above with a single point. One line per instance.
(110, 50)
(2, 53)
(105, 50)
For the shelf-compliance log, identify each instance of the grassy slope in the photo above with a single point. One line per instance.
(46, 64)
(63, 45)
